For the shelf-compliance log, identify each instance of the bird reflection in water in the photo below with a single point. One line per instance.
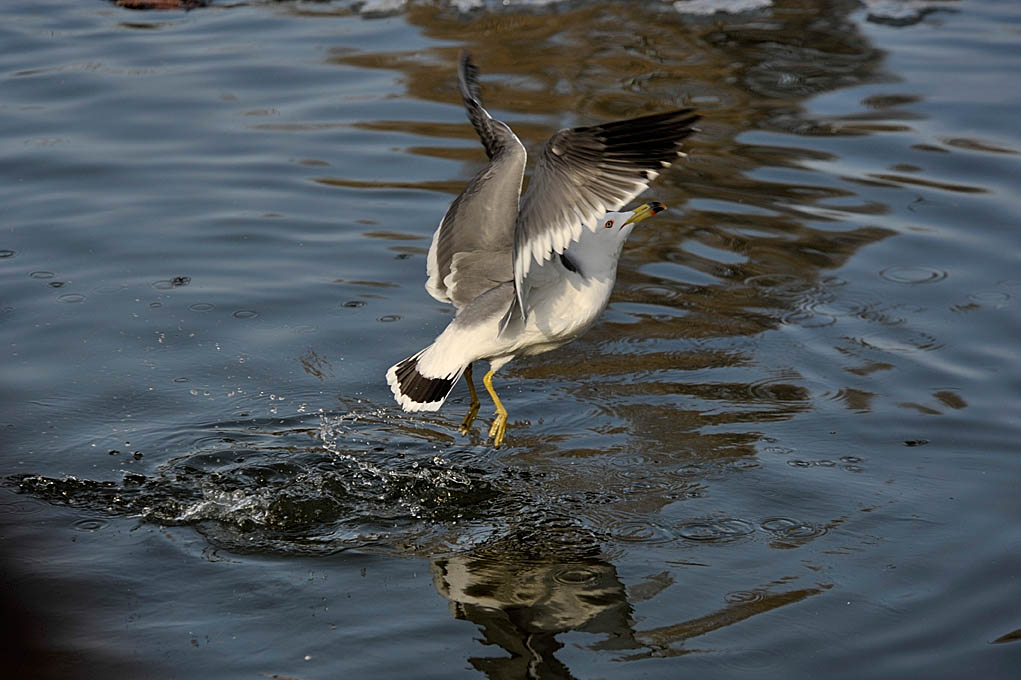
(525, 589)
(522, 594)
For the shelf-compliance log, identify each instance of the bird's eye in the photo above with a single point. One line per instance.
(608, 224)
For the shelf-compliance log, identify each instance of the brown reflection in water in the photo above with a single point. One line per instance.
(659, 640)
(751, 255)
(525, 589)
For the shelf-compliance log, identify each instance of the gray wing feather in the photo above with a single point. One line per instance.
(471, 251)
(584, 173)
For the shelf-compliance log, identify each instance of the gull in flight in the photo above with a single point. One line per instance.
(530, 272)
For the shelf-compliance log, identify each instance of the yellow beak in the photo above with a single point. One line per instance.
(644, 211)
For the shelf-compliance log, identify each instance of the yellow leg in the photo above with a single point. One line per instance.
(499, 427)
(474, 408)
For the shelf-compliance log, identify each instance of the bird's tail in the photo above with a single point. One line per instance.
(422, 382)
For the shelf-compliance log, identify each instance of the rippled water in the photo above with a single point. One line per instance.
(789, 449)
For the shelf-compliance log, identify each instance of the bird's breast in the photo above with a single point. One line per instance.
(563, 311)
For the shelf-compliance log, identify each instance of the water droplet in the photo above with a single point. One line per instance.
(912, 275)
(202, 307)
(354, 303)
(71, 298)
(57, 284)
(5, 252)
(245, 314)
(179, 281)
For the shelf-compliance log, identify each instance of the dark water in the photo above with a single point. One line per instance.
(789, 449)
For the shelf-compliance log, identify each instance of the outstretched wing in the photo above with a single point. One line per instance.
(471, 251)
(583, 174)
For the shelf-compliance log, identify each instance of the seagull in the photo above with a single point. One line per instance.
(530, 272)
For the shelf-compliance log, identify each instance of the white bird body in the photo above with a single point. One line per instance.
(530, 273)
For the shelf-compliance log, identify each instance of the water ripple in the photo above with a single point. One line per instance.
(639, 531)
(716, 530)
(913, 275)
(791, 533)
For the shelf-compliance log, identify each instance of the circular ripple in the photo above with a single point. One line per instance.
(659, 293)
(165, 284)
(774, 389)
(202, 307)
(639, 532)
(354, 304)
(913, 275)
(71, 298)
(807, 319)
(245, 314)
(389, 318)
(6, 252)
(22, 507)
(743, 596)
(575, 576)
(57, 284)
(42, 275)
(89, 524)
(718, 530)
(990, 298)
(792, 529)
(836, 308)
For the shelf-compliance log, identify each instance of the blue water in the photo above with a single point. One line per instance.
(789, 448)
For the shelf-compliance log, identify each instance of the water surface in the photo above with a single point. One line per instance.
(788, 449)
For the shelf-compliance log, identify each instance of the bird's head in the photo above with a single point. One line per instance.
(621, 223)
(597, 251)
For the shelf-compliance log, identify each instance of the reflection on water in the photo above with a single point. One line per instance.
(525, 589)
(798, 404)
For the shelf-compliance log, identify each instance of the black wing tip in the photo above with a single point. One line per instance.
(468, 77)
